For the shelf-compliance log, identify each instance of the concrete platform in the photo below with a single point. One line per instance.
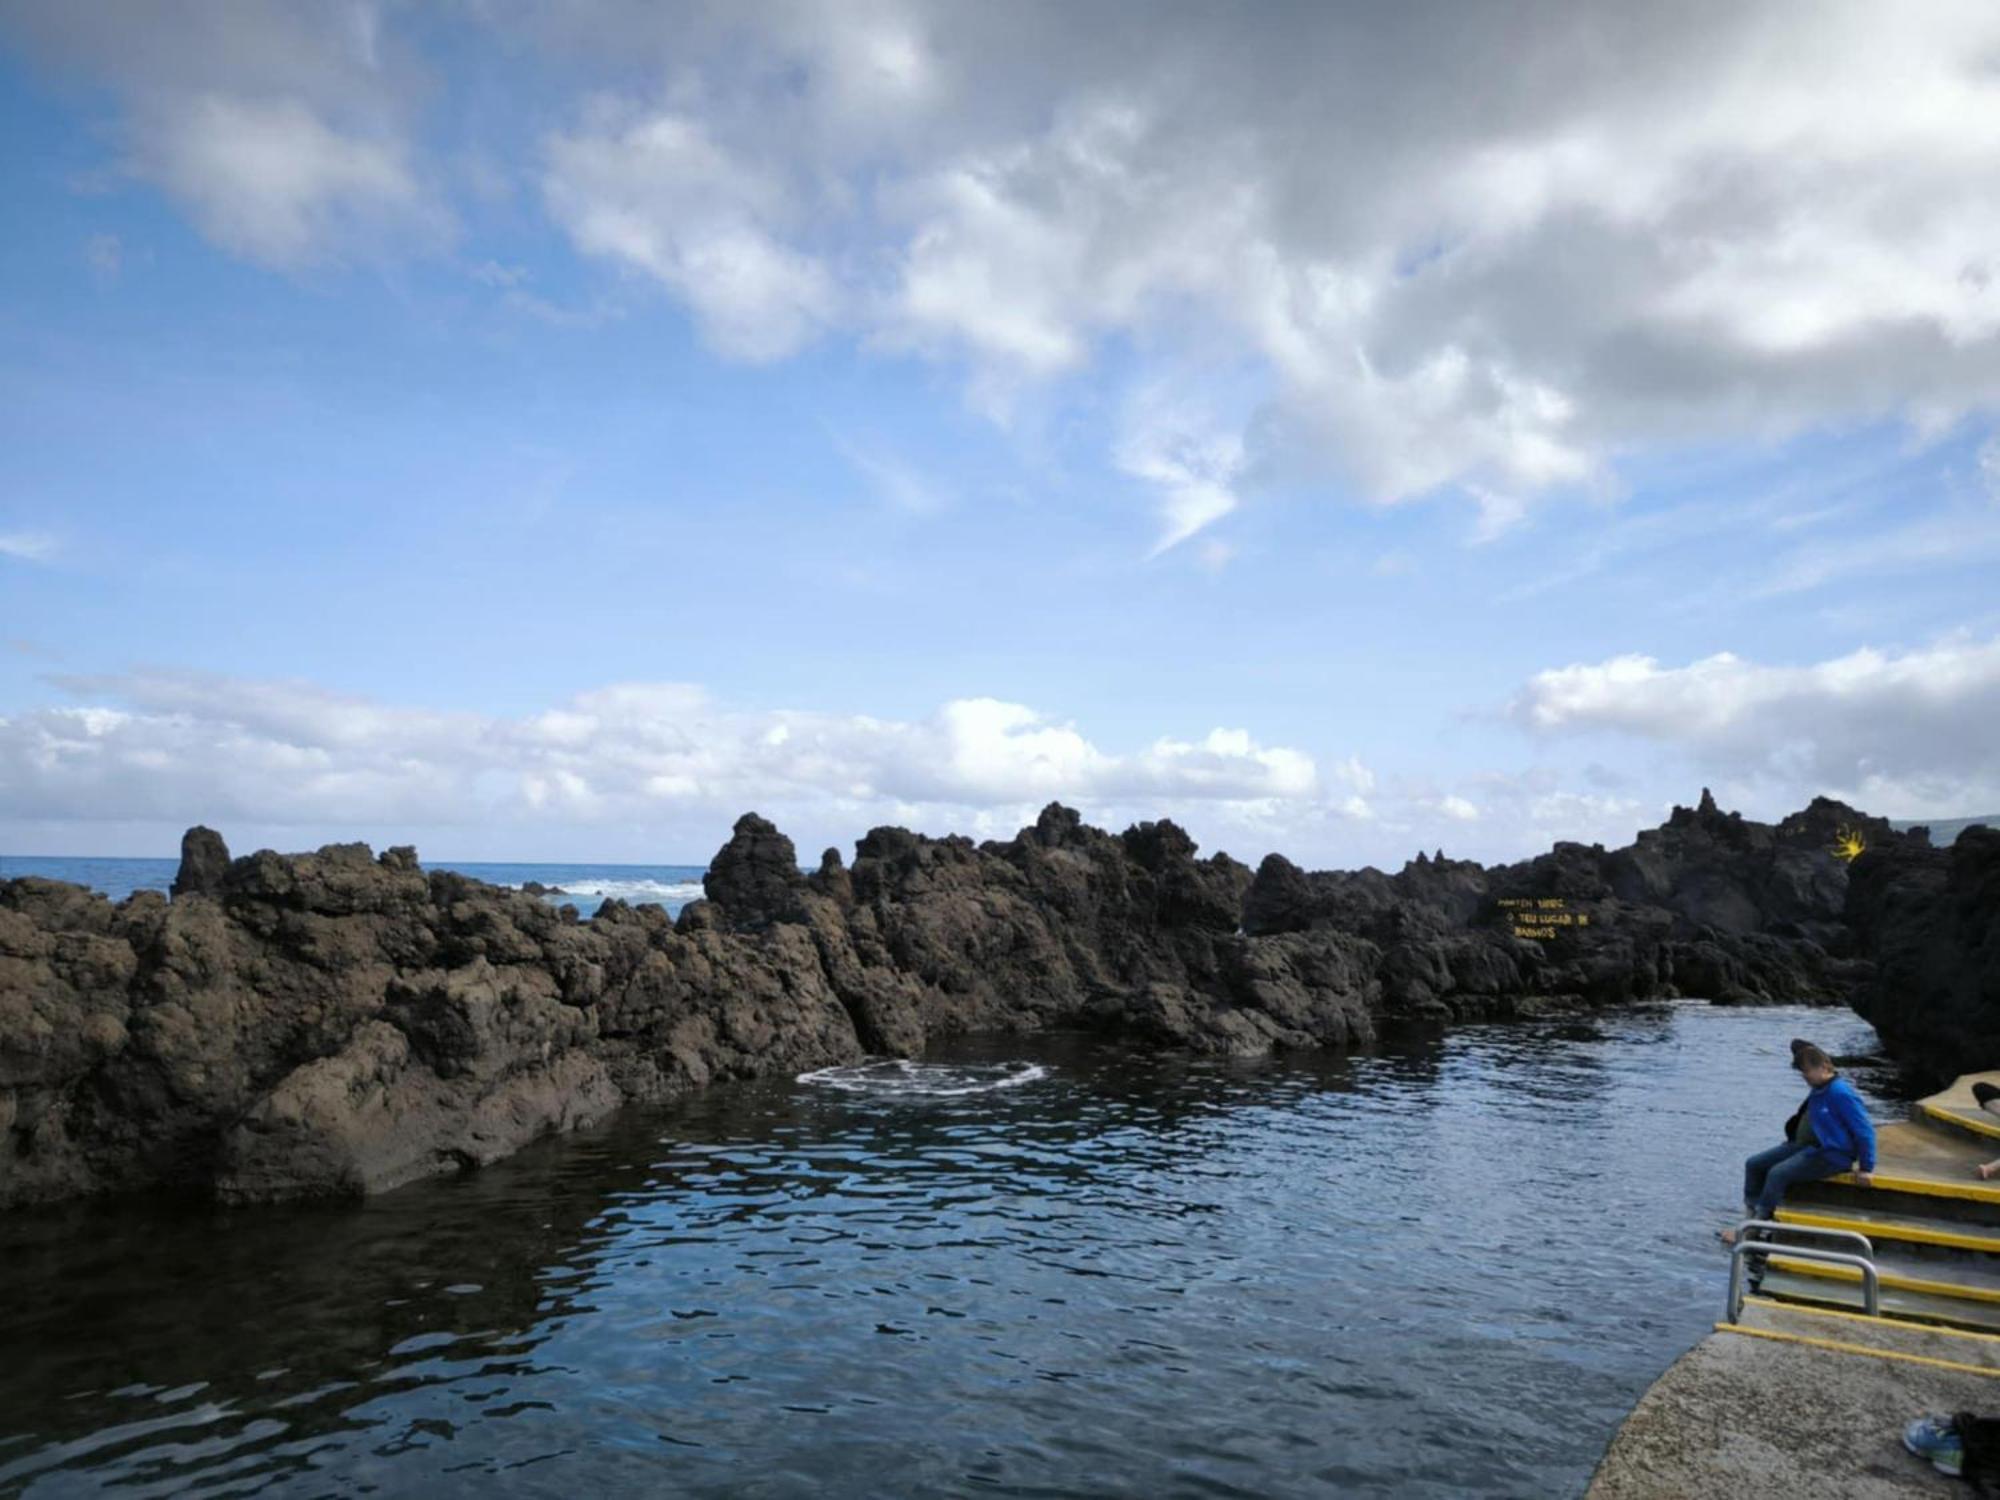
(1955, 1109)
(1740, 1414)
(1808, 1397)
(1932, 1163)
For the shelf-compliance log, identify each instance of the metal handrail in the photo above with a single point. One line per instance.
(1852, 1236)
(1871, 1282)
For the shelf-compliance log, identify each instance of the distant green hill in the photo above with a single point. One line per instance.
(1944, 830)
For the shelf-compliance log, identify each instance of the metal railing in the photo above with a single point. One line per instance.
(1871, 1281)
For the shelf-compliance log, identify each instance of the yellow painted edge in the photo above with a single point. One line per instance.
(1813, 1310)
(1929, 1187)
(1916, 1234)
(1840, 1348)
(1897, 1279)
(1958, 1121)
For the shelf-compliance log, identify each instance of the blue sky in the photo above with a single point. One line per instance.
(546, 433)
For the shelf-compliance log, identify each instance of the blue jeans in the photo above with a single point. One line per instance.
(1768, 1174)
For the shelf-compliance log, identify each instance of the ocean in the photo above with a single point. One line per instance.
(584, 886)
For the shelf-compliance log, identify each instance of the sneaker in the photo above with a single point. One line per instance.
(1983, 1094)
(1936, 1439)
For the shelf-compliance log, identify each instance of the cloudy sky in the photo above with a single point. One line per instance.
(548, 430)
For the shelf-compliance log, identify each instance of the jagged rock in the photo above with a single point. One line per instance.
(204, 861)
(336, 1023)
(1928, 923)
(1280, 898)
(755, 877)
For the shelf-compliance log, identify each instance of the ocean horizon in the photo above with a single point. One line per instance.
(586, 886)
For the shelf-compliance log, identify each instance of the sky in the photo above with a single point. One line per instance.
(548, 431)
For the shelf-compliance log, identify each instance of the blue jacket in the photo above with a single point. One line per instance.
(1840, 1123)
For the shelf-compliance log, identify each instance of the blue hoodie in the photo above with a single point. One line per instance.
(1840, 1123)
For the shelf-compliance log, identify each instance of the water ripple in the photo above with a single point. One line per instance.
(1140, 1275)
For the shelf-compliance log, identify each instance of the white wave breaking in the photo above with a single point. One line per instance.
(635, 891)
(900, 1078)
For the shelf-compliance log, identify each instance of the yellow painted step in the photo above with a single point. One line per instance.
(1973, 1283)
(1917, 1307)
(1952, 1117)
(1879, 1224)
(1840, 1346)
(1894, 1333)
(1956, 1109)
(1912, 1158)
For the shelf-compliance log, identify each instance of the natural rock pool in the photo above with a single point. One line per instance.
(1047, 1268)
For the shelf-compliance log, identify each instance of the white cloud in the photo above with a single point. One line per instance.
(1450, 274)
(893, 478)
(1916, 732)
(1353, 773)
(273, 182)
(1521, 813)
(282, 130)
(1491, 250)
(143, 746)
(27, 546)
(660, 770)
(1498, 513)
(1956, 537)
(492, 273)
(1192, 458)
(655, 193)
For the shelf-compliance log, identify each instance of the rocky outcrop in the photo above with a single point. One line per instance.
(204, 862)
(1929, 920)
(1709, 904)
(337, 1023)
(334, 1023)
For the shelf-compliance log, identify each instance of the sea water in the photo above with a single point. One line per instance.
(1029, 1268)
(585, 886)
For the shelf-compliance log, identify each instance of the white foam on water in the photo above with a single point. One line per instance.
(898, 1077)
(634, 891)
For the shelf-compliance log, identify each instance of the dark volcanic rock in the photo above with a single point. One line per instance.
(204, 861)
(755, 877)
(335, 1023)
(1929, 919)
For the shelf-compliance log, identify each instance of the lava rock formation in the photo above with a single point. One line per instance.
(338, 1023)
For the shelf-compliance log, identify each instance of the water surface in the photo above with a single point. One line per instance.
(585, 886)
(1445, 1270)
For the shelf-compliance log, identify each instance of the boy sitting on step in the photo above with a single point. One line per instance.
(1830, 1134)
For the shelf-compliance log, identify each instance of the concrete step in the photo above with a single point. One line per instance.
(1920, 1171)
(1921, 1307)
(1972, 1278)
(1956, 1112)
(1881, 1224)
(1880, 1335)
(1972, 1123)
